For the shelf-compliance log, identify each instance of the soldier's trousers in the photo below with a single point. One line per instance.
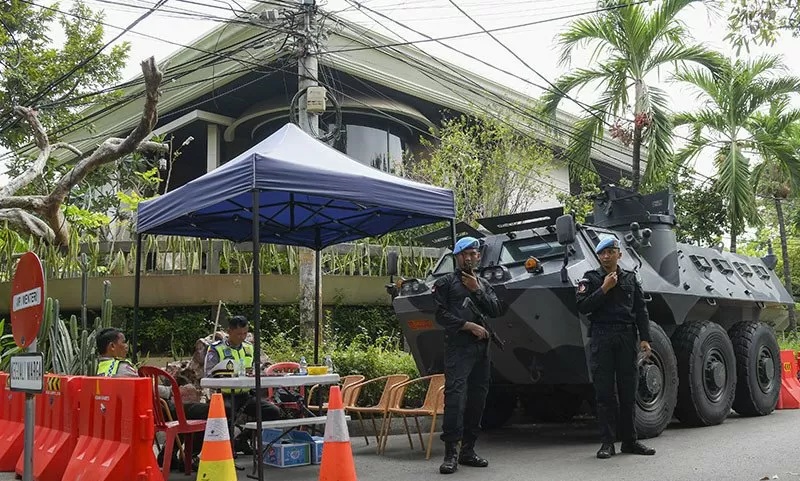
(613, 361)
(466, 384)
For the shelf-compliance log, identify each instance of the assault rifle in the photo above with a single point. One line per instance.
(470, 304)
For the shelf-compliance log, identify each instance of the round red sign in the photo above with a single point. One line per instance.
(27, 299)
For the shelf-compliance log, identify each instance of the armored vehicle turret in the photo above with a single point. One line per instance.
(712, 349)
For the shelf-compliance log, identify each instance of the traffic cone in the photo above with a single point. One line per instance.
(216, 458)
(337, 455)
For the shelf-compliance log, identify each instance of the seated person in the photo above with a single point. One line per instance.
(113, 362)
(223, 359)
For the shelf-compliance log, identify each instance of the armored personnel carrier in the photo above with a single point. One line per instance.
(712, 351)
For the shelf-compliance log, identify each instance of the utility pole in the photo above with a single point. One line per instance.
(307, 74)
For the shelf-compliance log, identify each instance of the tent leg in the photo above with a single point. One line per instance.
(136, 294)
(317, 303)
(453, 234)
(257, 328)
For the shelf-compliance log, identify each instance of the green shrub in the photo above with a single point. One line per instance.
(363, 356)
(175, 330)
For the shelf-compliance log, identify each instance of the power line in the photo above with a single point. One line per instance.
(502, 100)
(589, 109)
(47, 88)
(473, 34)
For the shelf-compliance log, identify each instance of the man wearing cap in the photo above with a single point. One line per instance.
(466, 353)
(620, 328)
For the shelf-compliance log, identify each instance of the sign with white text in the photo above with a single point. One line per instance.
(26, 373)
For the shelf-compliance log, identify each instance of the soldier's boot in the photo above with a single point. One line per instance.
(637, 448)
(469, 458)
(606, 451)
(450, 464)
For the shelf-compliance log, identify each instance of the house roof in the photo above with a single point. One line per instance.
(350, 48)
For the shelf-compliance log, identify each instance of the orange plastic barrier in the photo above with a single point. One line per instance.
(12, 419)
(116, 429)
(56, 431)
(790, 386)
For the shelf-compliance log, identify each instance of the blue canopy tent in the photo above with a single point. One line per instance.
(289, 189)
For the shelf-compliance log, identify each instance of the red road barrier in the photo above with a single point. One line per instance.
(790, 386)
(116, 429)
(56, 431)
(12, 419)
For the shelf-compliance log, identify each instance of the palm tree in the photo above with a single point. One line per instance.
(733, 98)
(633, 43)
(777, 140)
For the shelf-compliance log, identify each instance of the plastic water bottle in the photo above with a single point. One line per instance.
(329, 364)
(242, 370)
(303, 366)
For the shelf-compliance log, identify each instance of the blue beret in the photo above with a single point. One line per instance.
(466, 243)
(608, 242)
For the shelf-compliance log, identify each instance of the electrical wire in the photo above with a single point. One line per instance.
(488, 31)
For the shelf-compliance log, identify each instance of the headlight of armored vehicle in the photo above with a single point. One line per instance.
(412, 286)
(496, 273)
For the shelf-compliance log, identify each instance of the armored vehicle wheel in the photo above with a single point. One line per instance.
(554, 407)
(500, 406)
(706, 373)
(758, 368)
(658, 386)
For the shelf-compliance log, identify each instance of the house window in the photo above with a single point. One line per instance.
(378, 148)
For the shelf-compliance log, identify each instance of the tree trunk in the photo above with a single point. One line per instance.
(733, 241)
(787, 273)
(636, 157)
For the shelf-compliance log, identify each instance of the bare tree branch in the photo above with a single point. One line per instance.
(110, 151)
(42, 143)
(26, 223)
(64, 145)
(31, 203)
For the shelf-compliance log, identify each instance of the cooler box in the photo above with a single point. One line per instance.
(315, 442)
(285, 452)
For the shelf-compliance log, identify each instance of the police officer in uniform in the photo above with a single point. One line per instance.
(620, 329)
(113, 361)
(466, 354)
(224, 359)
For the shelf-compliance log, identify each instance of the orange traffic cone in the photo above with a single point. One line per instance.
(337, 455)
(216, 458)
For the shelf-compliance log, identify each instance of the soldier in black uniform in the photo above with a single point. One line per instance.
(612, 298)
(466, 353)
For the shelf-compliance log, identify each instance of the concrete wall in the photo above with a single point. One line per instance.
(208, 289)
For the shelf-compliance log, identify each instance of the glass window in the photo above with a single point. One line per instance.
(375, 147)
(539, 247)
(723, 266)
(445, 265)
(743, 269)
(762, 273)
(701, 263)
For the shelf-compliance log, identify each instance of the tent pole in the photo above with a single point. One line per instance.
(317, 297)
(453, 234)
(136, 294)
(257, 326)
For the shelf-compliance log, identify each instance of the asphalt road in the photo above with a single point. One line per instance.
(741, 449)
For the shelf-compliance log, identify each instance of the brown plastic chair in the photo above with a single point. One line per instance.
(381, 408)
(349, 395)
(432, 406)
